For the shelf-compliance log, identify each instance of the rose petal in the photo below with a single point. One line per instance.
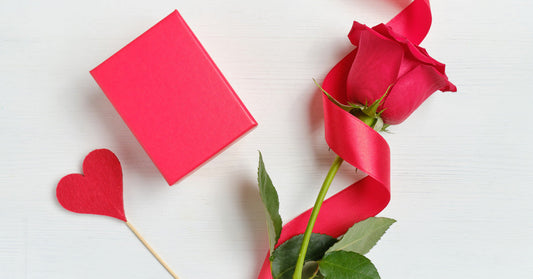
(408, 64)
(412, 90)
(355, 32)
(375, 68)
(411, 49)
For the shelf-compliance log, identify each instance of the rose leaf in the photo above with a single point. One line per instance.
(362, 236)
(270, 199)
(347, 265)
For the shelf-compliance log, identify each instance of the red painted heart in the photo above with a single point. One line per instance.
(98, 190)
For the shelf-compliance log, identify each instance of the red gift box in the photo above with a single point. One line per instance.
(173, 97)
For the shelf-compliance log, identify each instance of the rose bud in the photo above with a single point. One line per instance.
(386, 59)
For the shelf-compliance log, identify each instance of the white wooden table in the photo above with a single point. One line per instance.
(461, 165)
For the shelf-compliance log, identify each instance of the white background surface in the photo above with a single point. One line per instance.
(461, 164)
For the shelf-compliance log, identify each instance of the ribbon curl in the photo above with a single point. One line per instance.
(357, 144)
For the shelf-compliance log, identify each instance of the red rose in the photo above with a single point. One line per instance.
(384, 58)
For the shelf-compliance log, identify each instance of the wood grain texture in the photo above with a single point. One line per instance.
(461, 164)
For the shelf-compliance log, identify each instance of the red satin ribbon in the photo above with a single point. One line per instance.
(357, 144)
(413, 22)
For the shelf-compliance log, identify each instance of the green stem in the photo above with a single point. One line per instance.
(318, 203)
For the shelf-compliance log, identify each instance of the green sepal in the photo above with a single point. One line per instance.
(366, 113)
(339, 104)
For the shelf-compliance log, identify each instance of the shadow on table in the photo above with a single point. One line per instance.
(323, 155)
(124, 143)
(254, 212)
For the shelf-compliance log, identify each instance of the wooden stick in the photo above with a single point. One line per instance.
(163, 263)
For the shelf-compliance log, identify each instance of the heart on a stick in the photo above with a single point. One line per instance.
(98, 190)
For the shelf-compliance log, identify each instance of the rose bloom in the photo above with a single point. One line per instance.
(384, 58)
